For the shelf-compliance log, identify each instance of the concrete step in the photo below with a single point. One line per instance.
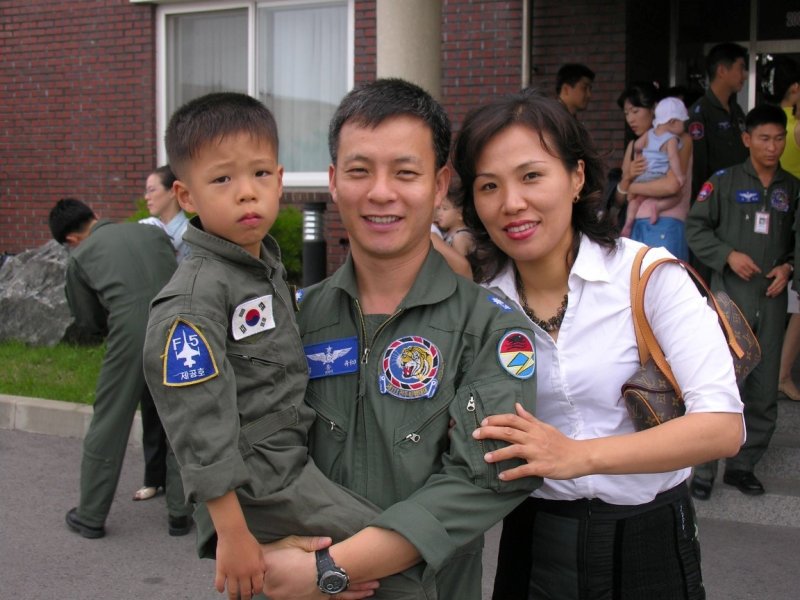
(788, 416)
(782, 458)
(779, 506)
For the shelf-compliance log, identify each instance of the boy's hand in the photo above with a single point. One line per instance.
(241, 565)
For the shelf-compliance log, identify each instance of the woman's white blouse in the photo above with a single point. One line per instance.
(580, 376)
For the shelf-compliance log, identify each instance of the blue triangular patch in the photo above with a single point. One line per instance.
(187, 356)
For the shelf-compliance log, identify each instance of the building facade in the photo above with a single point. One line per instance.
(86, 86)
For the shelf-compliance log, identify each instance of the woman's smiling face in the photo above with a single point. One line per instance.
(524, 195)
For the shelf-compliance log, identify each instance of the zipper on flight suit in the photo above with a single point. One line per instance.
(471, 407)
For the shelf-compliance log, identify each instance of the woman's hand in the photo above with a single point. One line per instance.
(292, 571)
(547, 451)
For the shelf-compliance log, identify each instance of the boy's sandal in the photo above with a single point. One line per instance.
(145, 493)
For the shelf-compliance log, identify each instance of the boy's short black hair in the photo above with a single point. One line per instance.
(212, 117)
(765, 114)
(69, 216)
(571, 74)
(373, 103)
(724, 54)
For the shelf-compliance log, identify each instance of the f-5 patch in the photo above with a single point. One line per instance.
(779, 200)
(410, 368)
(696, 130)
(748, 196)
(705, 191)
(252, 317)
(187, 356)
(334, 357)
(517, 355)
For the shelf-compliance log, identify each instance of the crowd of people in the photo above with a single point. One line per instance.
(356, 438)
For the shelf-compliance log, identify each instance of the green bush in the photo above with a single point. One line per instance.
(141, 211)
(288, 232)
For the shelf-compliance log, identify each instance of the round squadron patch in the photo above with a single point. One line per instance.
(780, 200)
(516, 354)
(705, 191)
(410, 368)
(696, 130)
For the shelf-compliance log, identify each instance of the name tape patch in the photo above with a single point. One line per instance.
(334, 357)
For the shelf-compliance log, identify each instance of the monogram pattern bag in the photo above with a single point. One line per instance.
(652, 395)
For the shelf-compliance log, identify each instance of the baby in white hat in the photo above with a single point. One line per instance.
(660, 146)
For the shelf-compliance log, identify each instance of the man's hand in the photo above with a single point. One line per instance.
(780, 276)
(292, 571)
(742, 265)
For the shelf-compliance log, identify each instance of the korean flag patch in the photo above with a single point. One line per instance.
(252, 317)
(187, 357)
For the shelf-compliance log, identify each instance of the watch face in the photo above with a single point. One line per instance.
(333, 582)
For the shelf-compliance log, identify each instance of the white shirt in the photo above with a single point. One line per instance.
(580, 376)
(175, 230)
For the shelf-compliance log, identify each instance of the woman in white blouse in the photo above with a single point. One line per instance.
(614, 518)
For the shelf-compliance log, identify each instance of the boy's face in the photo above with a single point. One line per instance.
(234, 185)
(386, 185)
(766, 143)
(446, 215)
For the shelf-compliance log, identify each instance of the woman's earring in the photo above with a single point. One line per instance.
(577, 197)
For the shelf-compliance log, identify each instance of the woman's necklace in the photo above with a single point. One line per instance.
(550, 325)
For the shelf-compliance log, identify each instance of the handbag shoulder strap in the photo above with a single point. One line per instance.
(636, 275)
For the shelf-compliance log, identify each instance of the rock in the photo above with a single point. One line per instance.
(32, 302)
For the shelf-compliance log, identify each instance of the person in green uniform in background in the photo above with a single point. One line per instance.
(742, 226)
(114, 271)
(399, 348)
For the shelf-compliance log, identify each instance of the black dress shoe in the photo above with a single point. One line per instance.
(88, 531)
(179, 525)
(701, 487)
(745, 481)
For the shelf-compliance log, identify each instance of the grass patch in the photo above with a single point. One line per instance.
(63, 372)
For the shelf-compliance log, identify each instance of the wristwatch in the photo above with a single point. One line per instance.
(330, 578)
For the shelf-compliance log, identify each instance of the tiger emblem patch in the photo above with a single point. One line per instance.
(410, 369)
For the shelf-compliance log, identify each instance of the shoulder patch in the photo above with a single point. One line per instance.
(696, 130)
(705, 191)
(720, 172)
(334, 357)
(499, 303)
(252, 317)
(299, 294)
(516, 354)
(187, 357)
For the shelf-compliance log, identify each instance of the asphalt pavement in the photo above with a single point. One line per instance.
(41, 558)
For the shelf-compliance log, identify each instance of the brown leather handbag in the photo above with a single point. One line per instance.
(652, 395)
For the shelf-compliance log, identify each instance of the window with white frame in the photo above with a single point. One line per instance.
(296, 56)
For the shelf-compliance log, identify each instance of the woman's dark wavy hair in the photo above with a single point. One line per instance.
(563, 136)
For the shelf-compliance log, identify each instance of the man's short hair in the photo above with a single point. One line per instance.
(213, 117)
(371, 104)
(724, 54)
(69, 216)
(571, 74)
(765, 114)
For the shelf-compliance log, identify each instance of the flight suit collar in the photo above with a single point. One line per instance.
(748, 168)
(202, 241)
(434, 283)
(714, 101)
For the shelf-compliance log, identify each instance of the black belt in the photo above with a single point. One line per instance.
(594, 508)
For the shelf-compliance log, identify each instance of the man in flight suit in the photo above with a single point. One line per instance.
(114, 271)
(742, 226)
(399, 348)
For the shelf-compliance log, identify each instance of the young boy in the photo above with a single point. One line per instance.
(660, 147)
(223, 357)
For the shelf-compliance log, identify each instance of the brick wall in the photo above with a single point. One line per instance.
(77, 108)
(591, 32)
(481, 53)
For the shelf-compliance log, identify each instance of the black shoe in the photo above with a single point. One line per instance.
(88, 531)
(179, 525)
(701, 487)
(745, 481)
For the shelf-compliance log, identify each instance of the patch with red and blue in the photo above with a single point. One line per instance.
(517, 355)
(410, 369)
(705, 191)
(696, 130)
